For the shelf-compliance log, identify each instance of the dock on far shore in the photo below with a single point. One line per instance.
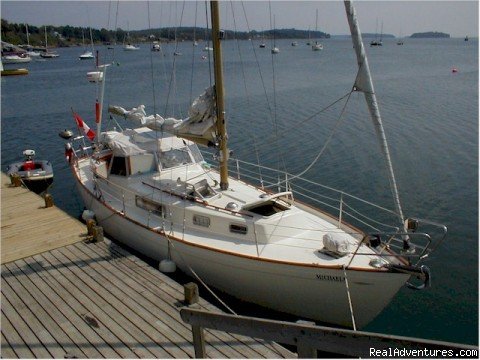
(64, 296)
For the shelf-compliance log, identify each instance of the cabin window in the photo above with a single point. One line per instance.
(201, 220)
(238, 229)
(149, 205)
(267, 208)
(175, 157)
(141, 164)
(118, 166)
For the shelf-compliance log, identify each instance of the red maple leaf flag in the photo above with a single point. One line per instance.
(84, 127)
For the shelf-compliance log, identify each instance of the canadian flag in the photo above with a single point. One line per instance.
(84, 127)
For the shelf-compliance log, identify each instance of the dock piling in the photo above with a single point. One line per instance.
(48, 200)
(191, 293)
(97, 233)
(90, 225)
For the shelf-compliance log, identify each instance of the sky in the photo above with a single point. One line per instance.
(401, 18)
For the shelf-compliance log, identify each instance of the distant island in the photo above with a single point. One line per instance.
(364, 35)
(429, 35)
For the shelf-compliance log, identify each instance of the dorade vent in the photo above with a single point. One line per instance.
(238, 229)
(201, 220)
(232, 206)
(150, 205)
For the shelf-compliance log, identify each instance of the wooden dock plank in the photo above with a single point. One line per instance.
(73, 310)
(49, 301)
(65, 345)
(12, 340)
(127, 306)
(24, 215)
(40, 343)
(112, 306)
(112, 332)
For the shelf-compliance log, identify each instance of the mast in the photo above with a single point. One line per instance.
(46, 45)
(28, 35)
(364, 83)
(219, 95)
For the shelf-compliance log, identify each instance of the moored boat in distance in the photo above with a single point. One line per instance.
(86, 56)
(377, 41)
(20, 58)
(130, 47)
(316, 46)
(150, 188)
(47, 54)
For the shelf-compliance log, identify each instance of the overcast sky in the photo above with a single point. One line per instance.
(458, 18)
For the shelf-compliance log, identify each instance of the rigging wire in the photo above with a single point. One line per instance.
(242, 66)
(270, 110)
(327, 142)
(193, 54)
(268, 142)
(151, 61)
(280, 158)
(207, 29)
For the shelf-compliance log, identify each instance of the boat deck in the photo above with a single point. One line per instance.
(95, 300)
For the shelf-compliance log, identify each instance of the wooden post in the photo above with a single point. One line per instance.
(48, 200)
(97, 234)
(198, 341)
(305, 351)
(90, 225)
(16, 180)
(191, 293)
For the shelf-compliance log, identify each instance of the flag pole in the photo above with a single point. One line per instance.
(78, 127)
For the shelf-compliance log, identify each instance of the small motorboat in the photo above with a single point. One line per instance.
(37, 175)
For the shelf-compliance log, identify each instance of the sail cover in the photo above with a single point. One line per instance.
(199, 126)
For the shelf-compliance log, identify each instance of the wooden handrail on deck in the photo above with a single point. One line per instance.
(309, 338)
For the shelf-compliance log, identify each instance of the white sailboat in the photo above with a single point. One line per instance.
(150, 189)
(48, 54)
(30, 51)
(317, 46)
(127, 46)
(87, 54)
(377, 41)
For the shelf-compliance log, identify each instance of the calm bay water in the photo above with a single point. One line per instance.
(430, 116)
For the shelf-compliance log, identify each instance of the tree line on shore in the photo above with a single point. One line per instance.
(62, 36)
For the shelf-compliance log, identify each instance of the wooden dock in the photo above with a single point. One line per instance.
(66, 297)
(29, 228)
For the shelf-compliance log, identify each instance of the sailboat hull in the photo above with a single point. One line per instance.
(308, 291)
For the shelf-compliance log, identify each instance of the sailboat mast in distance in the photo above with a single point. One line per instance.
(219, 95)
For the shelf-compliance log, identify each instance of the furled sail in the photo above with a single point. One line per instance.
(198, 127)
